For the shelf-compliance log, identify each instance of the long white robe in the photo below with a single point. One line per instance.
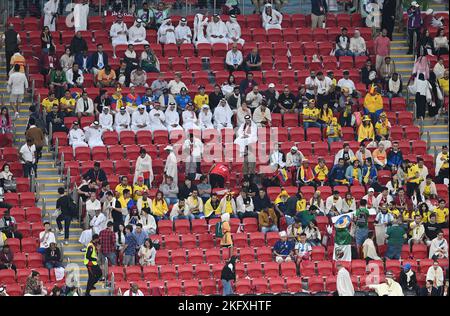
(80, 16)
(234, 31)
(140, 119)
(77, 138)
(246, 135)
(183, 33)
(157, 122)
(118, 39)
(106, 121)
(439, 163)
(94, 137)
(171, 169)
(119, 120)
(217, 29)
(437, 245)
(98, 223)
(222, 117)
(165, 36)
(199, 29)
(272, 21)
(197, 148)
(205, 120)
(50, 7)
(172, 118)
(344, 283)
(143, 165)
(190, 120)
(137, 35)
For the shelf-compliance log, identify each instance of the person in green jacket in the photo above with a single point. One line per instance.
(361, 221)
(395, 237)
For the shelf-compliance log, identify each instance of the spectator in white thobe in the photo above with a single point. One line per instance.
(77, 137)
(246, 134)
(94, 135)
(190, 120)
(122, 120)
(217, 31)
(106, 119)
(140, 120)
(118, 33)
(171, 167)
(172, 117)
(234, 31)
(157, 118)
(80, 15)
(50, 11)
(166, 33)
(223, 115)
(144, 167)
(183, 33)
(205, 118)
(137, 34)
(199, 29)
(97, 224)
(271, 18)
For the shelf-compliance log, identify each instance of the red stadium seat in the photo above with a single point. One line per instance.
(294, 285)
(419, 251)
(162, 257)
(133, 273)
(209, 287)
(185, 271)
(168, 272)
(288, 269)
(191, 287)
(174, 288)
(150, 273)
(195, 256)
(316, 284)
(260, 286)
(118, 272)
(243, 286)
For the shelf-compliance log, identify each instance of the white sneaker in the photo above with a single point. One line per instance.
(17, 115)
(61, 232)
(66, 242)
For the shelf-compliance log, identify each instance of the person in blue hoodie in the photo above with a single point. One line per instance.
(337, 173)
(394, 157)
(183, 99)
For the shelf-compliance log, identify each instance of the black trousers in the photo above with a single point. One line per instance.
(410, 37)
(27, 167)
(8, 55)
(94, 274)
(411, 188)
(216, 181)
(421, 105)
(247, 215)
(67, 220)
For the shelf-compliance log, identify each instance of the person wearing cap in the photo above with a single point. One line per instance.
(183, 33)
(172, 121)
(117, 100)
(157, 118)
(190, 120)
(137, 34)
(283, 248)
(118, 33)
(94, 135)
(348, 83)
(246, 135)
(175, 85)
(234, 30)
(216, 31)
(271, 96)
(234, 59)
(366, 130)
(271, 18)
(414, 25)
(441, 169)
(139, 188)
(205, 118)
(149, 63)
(389, 288)
(382, 127)
(166, 32)
(166, 99)
(140, 121)
(122, 120)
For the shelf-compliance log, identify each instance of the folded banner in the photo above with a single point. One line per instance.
(380, 233)
(342, 253)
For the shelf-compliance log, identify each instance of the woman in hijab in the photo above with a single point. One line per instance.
(423, 94)
(228, 275)
(144, 168)
(435, 105)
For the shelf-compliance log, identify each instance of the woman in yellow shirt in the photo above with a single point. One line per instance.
(325, 116)
(382, 127)
(228, 205)
(334, 131)
(321, 172)
(422, 210)
(365, 130)
(160, 208)
(301, 203)
(138, 188)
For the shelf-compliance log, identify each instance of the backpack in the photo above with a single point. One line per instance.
(361, 220)
(218, 232)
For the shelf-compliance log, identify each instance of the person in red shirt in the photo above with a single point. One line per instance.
(107, 241)
(218, 175)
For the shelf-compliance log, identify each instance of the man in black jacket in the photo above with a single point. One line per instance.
(228, 274)
(56, 117)
(99, 59)
(78, 44)
(408, 280)
(246, 85)
(96, 174)
(53, 257)
(91, 262)
(66, 207)
(319, 9)
(429, 289)
(11, 41)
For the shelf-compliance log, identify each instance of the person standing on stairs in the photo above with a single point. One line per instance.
(27, 156)
(415, 22)
(91, 263)
(17, 86)
(38, 137)
(388, 17)
(65, 206)
(11, 40)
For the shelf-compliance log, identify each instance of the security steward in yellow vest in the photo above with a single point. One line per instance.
(91, 262)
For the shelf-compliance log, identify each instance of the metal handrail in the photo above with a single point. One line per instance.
(56, 145)
(67, 179)
(414, 44)
(33, 83)
(428, 140)
(113, 281)
(50, 132)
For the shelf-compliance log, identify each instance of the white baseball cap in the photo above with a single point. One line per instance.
(271, 85)
(168, 147)
(371, 190)
(283, 234)
(415, 4)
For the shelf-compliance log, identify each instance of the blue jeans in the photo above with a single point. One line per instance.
(158, 218)
(306, 125)
(289, 220)
(272, 228)
(200, 215)
(189, 217)
(171, 201)
(41, 251)
(227, 288)
(51, 265)
(333, 139)
(393, 251)
(343, 52)
(112, 258)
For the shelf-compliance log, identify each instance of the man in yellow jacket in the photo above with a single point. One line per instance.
(373, 103)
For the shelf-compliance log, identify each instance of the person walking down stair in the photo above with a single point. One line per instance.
(91, 263)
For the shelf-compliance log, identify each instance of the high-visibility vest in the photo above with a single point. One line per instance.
(94, 254)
